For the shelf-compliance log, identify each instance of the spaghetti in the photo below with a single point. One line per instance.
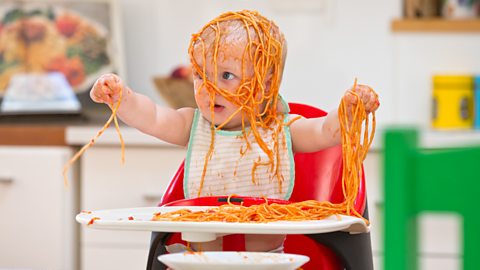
(300, 211)
(355, 145)
(113, 117)
(256, 103)
(258, 107)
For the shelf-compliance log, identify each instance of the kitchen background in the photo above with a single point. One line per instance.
(330, 43)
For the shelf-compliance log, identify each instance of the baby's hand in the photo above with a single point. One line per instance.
(107, 89)
(367, 96)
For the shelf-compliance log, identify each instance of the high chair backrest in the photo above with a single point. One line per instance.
(318, 175)
(433, 180)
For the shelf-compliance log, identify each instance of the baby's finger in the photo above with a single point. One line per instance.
(107, 90)
(370, 104)
(351, 98)
(372, 96)
(114, 85)
(96, 93)
(117, 85)
(376, 105)
(358, 88)
(107, 100)
(364, 92)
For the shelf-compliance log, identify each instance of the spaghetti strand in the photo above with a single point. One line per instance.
(113, 117)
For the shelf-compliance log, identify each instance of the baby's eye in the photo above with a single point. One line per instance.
(228, 76)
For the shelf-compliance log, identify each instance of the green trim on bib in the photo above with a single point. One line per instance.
(189, 154)
(231, 133)
(288, 138)
(285, 105)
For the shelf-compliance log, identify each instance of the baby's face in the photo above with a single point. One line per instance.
(228, 77)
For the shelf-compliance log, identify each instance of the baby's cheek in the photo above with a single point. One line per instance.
(199, 92)
(202, 100)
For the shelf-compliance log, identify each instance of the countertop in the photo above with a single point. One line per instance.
(68, 130)
(77, 130)
(80, 135)
(429, 139)
(42, 130)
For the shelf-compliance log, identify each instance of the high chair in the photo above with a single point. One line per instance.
(317, 176)
(434, 180)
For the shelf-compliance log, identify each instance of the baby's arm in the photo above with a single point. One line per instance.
(141, 112)
(315, 134)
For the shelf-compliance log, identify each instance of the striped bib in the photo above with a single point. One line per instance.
(228, 172)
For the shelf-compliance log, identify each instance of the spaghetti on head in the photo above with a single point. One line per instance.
(260, 46)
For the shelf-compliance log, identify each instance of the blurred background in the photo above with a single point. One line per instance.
(421, 56)
(329, 44)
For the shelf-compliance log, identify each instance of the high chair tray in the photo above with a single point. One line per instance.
(140, 219)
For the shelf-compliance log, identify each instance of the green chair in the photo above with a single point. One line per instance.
(434, 180)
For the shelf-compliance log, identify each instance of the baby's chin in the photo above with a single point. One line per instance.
(229, 126)
(233, 124)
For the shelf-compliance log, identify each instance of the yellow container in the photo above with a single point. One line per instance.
(453, 97)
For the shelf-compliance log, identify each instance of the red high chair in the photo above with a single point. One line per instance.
(318, 176)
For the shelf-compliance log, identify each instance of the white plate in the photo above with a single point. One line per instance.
(233, 261)
(140, 219)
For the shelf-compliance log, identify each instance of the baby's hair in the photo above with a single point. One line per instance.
(265, 50)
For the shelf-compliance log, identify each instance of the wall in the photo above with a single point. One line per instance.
(417, 57)
(330, 42)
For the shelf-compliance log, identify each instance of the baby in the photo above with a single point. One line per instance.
(241, 139)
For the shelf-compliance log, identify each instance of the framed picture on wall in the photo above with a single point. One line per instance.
(79, 38)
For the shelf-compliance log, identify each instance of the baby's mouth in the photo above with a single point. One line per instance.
(218, 107)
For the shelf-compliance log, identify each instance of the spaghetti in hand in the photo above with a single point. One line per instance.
(354, 112)
(107, 98)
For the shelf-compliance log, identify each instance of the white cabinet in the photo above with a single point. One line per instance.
(37, 212)
(107, 184)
